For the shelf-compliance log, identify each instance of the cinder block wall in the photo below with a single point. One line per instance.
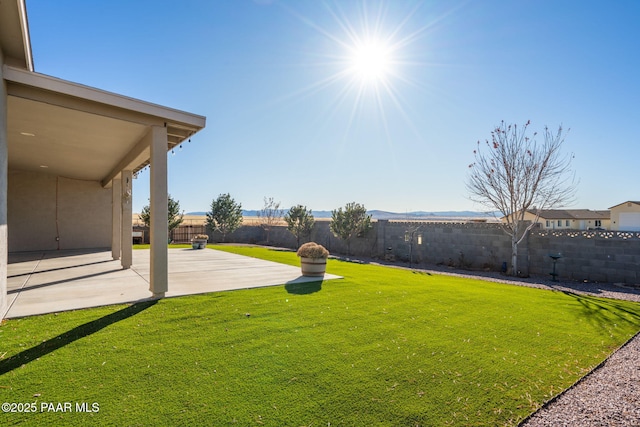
(603, 256)
(280, 236)
(607, 256)
(455, 244)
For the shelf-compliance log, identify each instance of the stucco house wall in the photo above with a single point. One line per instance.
(630, 211)
(579, 219)
(47, 212)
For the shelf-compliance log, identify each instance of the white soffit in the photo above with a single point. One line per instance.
(61, 141)
(81, 132)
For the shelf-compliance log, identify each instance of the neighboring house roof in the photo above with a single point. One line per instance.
(589, 214)
(575, 214)
(624, 203)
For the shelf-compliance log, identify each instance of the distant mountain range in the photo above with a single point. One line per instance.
(377, 214)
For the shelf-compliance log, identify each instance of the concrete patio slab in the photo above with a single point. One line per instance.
(47, 282)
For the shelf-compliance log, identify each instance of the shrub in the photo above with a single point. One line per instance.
(299, 221)
(312, 250)
(174, 216)
(351, 222)
(225, 215)
(201, 237)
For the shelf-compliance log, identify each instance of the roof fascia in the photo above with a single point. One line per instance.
(624, 203)
(75, 90)
(26, 37)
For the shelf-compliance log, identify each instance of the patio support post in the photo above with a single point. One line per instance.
(4, 176)
(116, 214)
(159, 234)
(126, 229)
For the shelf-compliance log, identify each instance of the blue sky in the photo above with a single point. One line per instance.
(290, 117)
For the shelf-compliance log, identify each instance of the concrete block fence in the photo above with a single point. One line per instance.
(606, 256)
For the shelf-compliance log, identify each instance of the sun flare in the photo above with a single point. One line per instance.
(368, 51)
(371, 62)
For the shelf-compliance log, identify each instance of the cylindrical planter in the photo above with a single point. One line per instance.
(198, 244)
(313, 267)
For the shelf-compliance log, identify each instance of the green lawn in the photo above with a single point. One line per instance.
(381, 347)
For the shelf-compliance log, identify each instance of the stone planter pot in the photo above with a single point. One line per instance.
(313, 267)
(199, 244)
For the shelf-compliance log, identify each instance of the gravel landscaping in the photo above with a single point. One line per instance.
(608, 396)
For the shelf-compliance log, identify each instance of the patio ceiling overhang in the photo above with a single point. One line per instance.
(67, 129)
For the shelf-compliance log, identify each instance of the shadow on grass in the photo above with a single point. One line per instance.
(68, 337)
(303, 288)
(422, 273)
(597, 309)
(280, 249)
(350, 259)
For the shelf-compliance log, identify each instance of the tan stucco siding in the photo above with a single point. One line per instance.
(31, 212)
(43, 208)
(624, 208)
(86, 209)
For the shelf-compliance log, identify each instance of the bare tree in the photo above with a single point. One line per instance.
(514, 174)
(270, 215)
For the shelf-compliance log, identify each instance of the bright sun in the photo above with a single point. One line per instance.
(368, 58)
(371, 62)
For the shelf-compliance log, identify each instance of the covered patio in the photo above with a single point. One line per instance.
(68, 154)
(52, 281)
